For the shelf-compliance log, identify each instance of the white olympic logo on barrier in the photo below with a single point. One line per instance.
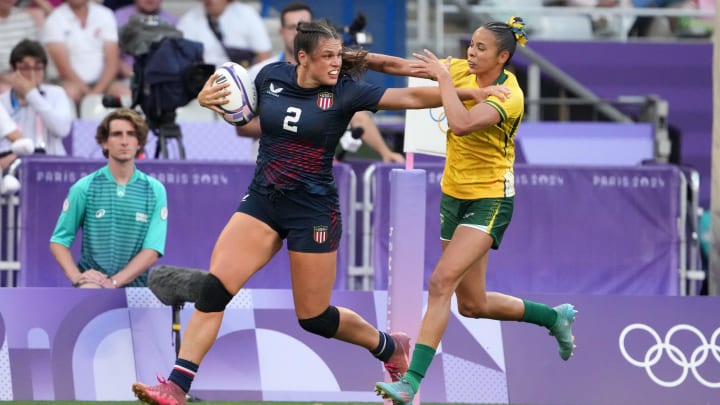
(675, 354)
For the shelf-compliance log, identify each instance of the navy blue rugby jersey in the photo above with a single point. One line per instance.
(302, 127)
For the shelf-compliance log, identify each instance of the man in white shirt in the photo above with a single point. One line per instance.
(229, 31)
(82, 40)
(15, 24)
(10, 133)
(8, 129)
(43, 112)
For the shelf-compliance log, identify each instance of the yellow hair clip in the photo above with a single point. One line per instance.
(517, 25)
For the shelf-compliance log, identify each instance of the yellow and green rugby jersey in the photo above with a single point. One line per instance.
(480, 164)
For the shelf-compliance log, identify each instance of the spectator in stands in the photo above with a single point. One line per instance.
(16, 24)
(290, 16)
(373, 137)
(230, 31)
(121, 210)
(123, 15)
(10, 133)
(43, 111)
(477, 196)
(40, 9)
(643, 25)
(82, 40)
(602, 25)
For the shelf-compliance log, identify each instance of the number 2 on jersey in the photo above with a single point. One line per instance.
(292, 117)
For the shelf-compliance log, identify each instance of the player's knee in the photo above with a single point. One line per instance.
(213, 297)
(325, 324)
(473, 309)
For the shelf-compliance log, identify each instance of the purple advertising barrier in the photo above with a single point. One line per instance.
(630, 350)
(202, 140)
(406, 252)
(592, 230)
(261, 353)
(201, 198)
(58, 343)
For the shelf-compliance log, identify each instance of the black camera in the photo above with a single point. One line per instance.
(168, 72)
(355, 32)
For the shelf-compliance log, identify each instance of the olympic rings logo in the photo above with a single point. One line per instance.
(438, 115)
(674, 353)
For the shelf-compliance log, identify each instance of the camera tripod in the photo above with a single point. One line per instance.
(166, 128)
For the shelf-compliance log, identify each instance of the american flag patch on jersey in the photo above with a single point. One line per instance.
(325, 100)
(320, 234)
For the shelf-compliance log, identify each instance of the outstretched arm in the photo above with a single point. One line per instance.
(460, 120)
(404, 67)
(391, 65)
(430, 97)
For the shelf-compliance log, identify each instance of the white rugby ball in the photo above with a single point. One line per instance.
(242, 101)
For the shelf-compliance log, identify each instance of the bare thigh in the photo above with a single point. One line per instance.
(460, 257)
(472, 291)
(473, 299)
(313, 278)
(244, 246)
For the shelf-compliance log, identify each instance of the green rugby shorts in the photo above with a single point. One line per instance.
(490, 215)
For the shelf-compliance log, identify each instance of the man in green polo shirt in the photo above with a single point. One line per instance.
(121, 210)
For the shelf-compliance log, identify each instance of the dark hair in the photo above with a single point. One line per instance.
(294, 6)
(25, 48)
(508, 35)
(141, 128)
(309, 35)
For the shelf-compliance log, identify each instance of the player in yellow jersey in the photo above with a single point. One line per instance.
(478, 194)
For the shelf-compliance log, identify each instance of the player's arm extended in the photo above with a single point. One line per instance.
(430, 97)
(391, 65)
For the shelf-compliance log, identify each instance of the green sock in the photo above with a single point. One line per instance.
(422, 357)
(539, 314)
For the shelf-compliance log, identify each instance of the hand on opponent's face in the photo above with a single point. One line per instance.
(430, 66)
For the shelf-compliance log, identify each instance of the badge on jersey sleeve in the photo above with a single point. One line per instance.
(325, 100)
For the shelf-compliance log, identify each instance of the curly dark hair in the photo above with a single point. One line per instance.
(141, 127)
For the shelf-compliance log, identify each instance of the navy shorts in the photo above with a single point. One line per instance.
(311, 223)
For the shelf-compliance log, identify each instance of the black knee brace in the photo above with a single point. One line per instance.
(325, 324)
(213, 295)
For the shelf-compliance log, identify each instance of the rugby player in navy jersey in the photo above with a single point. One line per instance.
(303, 111)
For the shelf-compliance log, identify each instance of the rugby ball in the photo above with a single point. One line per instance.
(242, 101)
